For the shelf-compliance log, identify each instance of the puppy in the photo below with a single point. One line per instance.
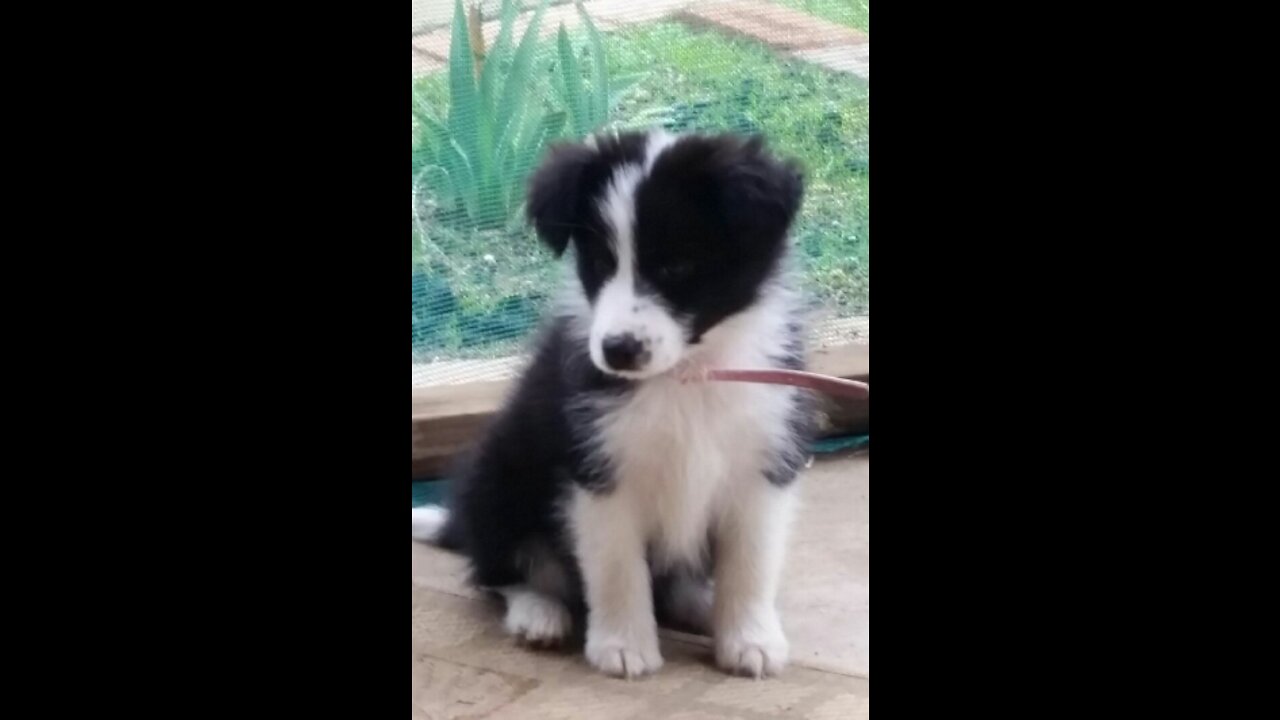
(614, 486)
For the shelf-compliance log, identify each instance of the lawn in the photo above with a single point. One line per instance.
(477, 292)
(853, 13)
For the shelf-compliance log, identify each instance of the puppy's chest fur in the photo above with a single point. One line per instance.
(676, 452)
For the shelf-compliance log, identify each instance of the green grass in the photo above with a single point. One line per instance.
(702, 81)
(853, 13)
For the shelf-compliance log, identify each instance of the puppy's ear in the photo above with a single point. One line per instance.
(555, 189)
(762, 192)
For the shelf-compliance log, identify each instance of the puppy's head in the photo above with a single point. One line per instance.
(671, 235)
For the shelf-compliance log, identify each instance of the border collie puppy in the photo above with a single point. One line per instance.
(614, 486)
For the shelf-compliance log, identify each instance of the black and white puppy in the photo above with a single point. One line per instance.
(610, 486)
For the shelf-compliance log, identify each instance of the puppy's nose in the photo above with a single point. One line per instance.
(622, 352)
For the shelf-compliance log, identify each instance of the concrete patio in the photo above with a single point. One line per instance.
(465, 667)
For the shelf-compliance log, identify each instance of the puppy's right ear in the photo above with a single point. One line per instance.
(555, 194)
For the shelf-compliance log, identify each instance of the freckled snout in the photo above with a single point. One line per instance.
(625, 352)
(631, 336)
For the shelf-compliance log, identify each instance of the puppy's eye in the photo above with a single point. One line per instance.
(675, 272)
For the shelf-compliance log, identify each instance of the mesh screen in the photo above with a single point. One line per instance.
(495, 82)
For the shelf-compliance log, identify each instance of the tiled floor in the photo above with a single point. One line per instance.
(465, 667)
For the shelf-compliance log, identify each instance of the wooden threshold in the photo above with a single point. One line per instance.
(449, 418)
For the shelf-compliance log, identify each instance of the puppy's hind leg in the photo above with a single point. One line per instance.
(536, 618)
(537, 612)
(685, 599)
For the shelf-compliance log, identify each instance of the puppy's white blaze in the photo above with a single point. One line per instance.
(618, 208)
(618, 308)
(659, 141)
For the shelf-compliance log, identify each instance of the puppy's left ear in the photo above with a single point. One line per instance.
(763, 192)
(555, 194)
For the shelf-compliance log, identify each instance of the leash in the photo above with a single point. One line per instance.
(838, 387)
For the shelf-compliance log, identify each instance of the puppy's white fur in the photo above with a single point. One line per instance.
(619, 308)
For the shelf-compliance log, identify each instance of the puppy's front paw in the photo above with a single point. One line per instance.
(756, 652)
(616, 655)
